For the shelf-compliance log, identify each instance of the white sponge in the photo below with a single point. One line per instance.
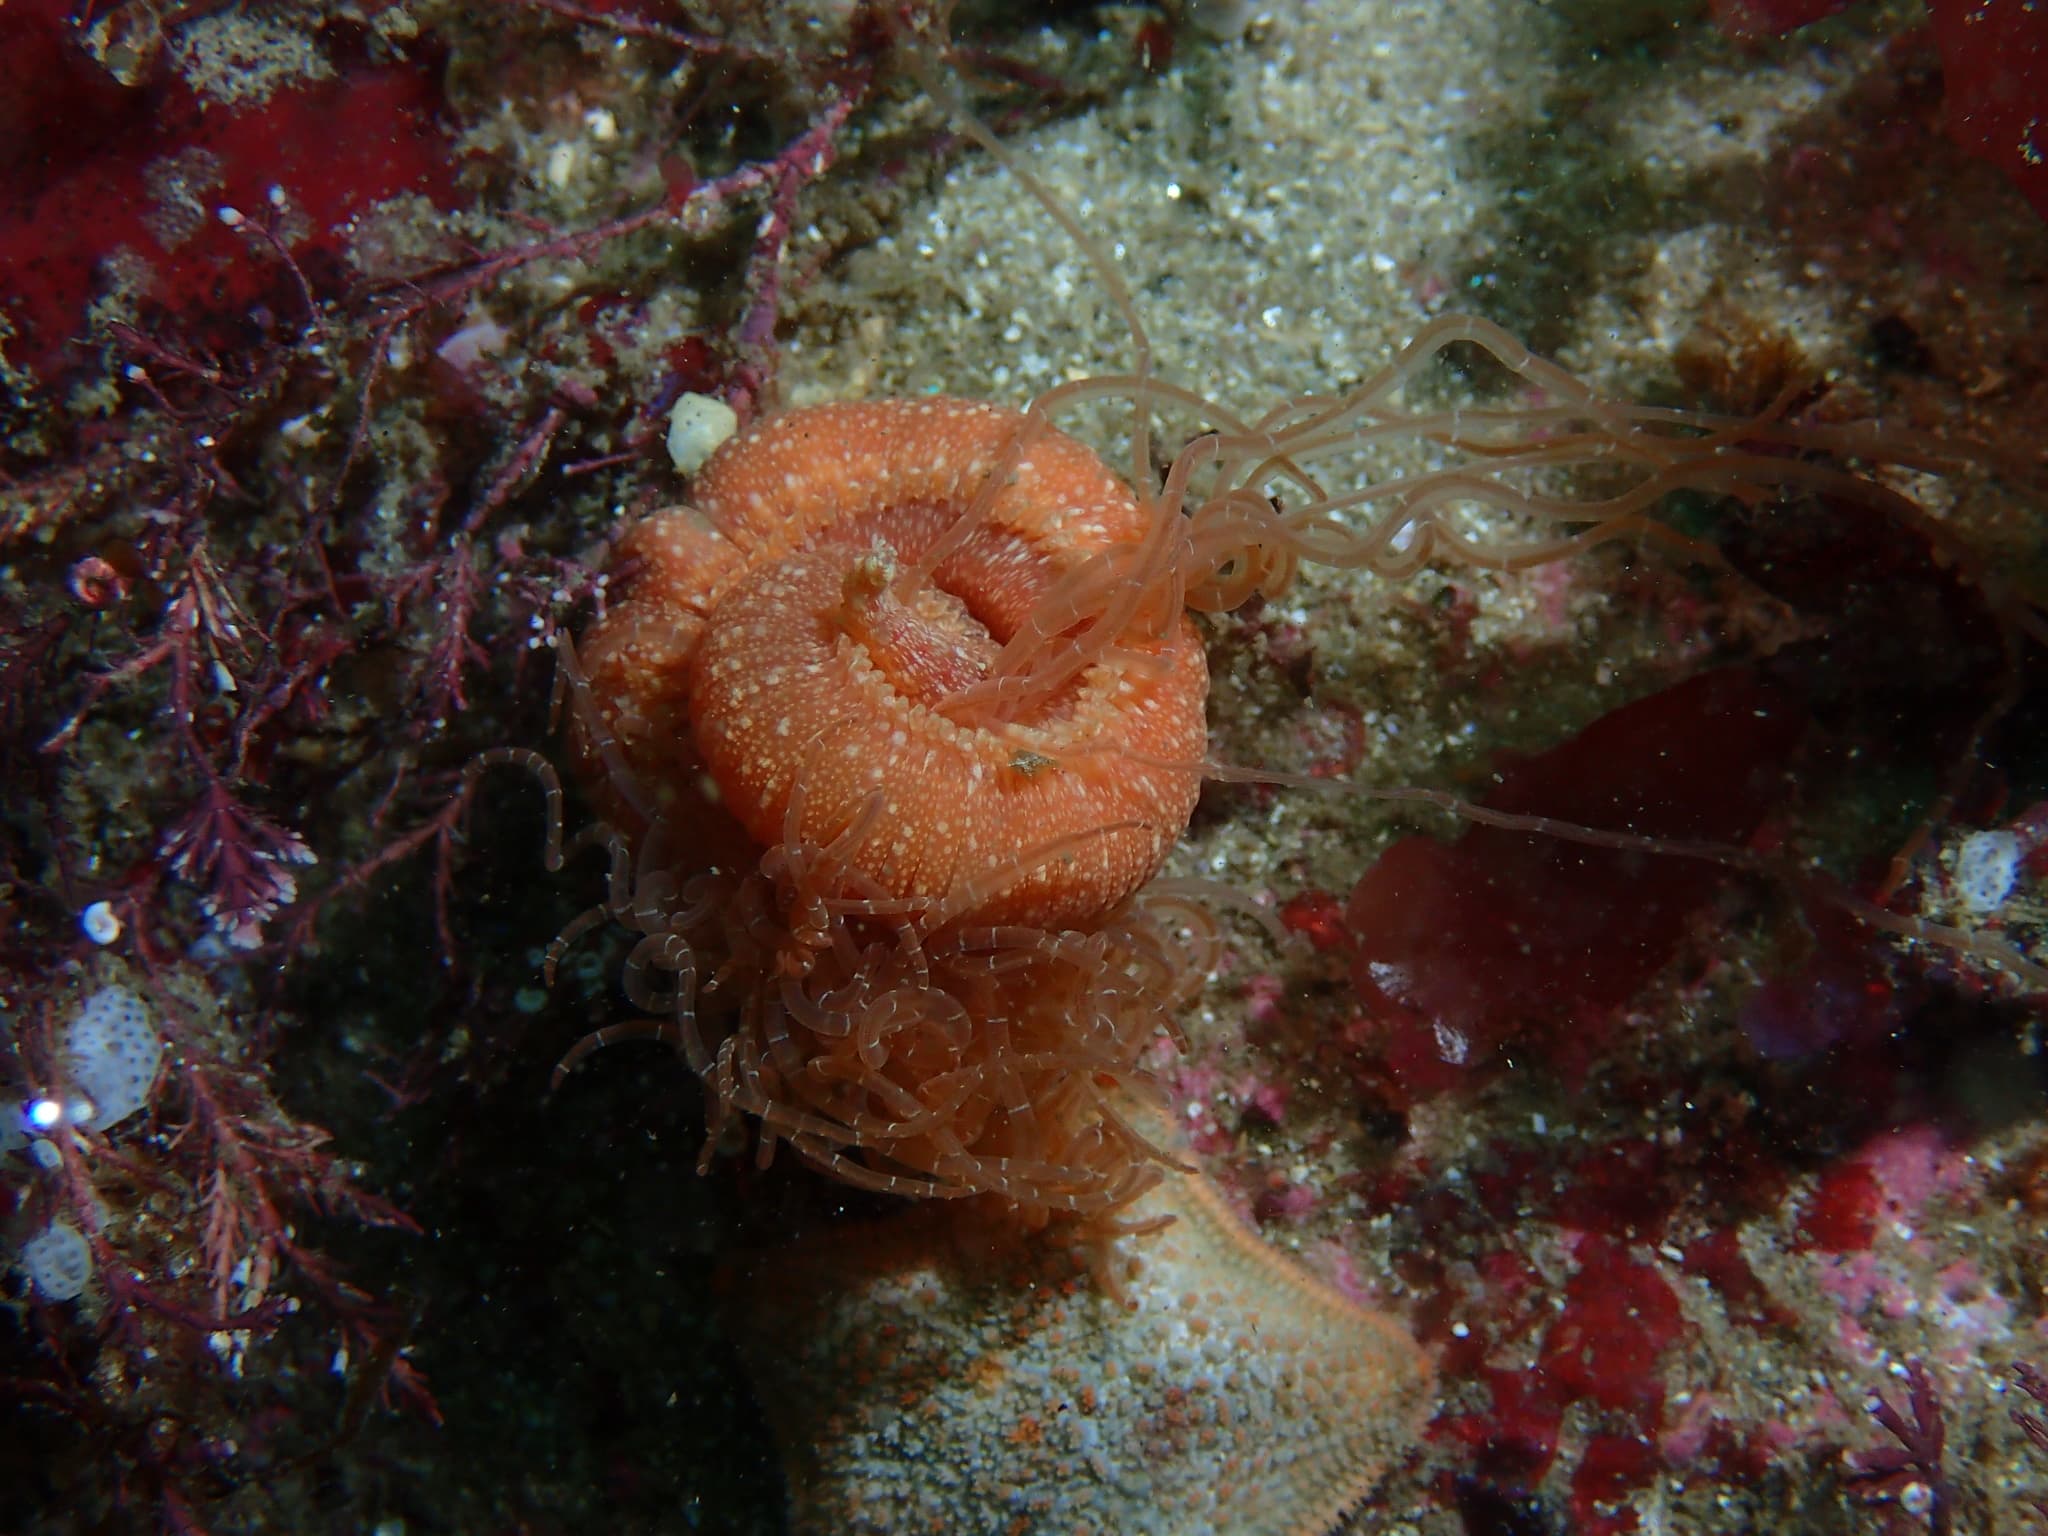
(111, 1053)
(57, 1261)
(1987, 868)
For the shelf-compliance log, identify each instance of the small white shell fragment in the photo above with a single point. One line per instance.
(1987, 865)
(102, 924)
(57, 1262)
(465, 350)
(561, 165)
(696, 426)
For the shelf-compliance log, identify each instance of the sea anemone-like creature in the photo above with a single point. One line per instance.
(928, 635)
(956, 1060)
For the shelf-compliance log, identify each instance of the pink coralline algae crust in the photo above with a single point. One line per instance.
(1862, 1228)
(88, 174)
(1890, 1178)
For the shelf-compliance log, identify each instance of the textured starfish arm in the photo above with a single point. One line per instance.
(934, 1373)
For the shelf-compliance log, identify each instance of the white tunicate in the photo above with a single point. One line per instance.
(111, 1053)
(1987, 864)
(57, 1261)
(696, 426)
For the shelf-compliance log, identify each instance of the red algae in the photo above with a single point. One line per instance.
(1995, 65)
(1465, 946)
(1841, 1214)
(1994, 56)
(142, 176)
(1620, 1317)
(1716, 1257)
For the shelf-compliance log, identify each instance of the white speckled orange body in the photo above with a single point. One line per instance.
(757, 644)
